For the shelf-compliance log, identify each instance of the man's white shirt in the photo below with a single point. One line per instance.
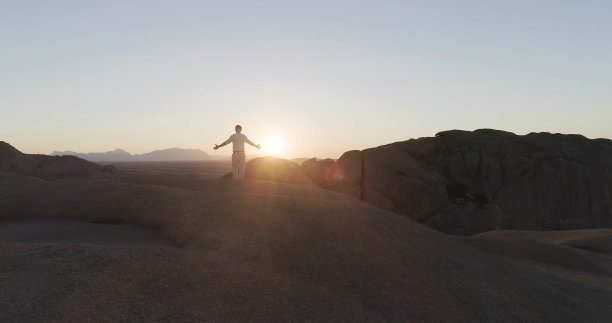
(238, 140)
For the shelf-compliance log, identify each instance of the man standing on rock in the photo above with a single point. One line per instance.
(238, 157)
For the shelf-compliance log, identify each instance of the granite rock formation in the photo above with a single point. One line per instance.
(463, 182)
(321, 171)
(261, 251)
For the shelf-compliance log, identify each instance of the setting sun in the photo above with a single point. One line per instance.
(272, 146)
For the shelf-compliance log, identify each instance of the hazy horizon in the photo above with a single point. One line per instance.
(315, 78)
(253, 151)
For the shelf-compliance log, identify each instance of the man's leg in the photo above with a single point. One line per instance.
(235, 165)
(242, 165)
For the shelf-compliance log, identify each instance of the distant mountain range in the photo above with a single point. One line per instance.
(119, 155)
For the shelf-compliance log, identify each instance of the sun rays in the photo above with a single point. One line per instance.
(273, 146)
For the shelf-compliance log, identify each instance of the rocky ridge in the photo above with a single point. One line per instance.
(463, 182)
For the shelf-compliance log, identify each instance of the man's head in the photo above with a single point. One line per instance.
(238, 128)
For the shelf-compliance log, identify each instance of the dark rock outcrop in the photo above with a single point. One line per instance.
(50, 167)
(464, 182)
(276, 170)
(319, 170)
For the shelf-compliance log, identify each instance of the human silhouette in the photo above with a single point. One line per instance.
(238, 157)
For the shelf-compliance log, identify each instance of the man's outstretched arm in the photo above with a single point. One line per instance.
(221, 145)
(251, 143)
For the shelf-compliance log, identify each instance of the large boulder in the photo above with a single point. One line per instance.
(321, 171)
(465, 182)
(50, 167)
(389, 178)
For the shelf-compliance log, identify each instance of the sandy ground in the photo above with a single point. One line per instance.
(261, 251)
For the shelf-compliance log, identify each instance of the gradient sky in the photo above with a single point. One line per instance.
(324, 77)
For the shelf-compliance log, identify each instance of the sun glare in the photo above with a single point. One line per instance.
(272, 146)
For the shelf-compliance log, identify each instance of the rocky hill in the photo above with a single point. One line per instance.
(464, 182)
(50, 167)
(261, 251)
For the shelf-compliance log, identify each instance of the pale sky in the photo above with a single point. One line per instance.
(322, 77)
